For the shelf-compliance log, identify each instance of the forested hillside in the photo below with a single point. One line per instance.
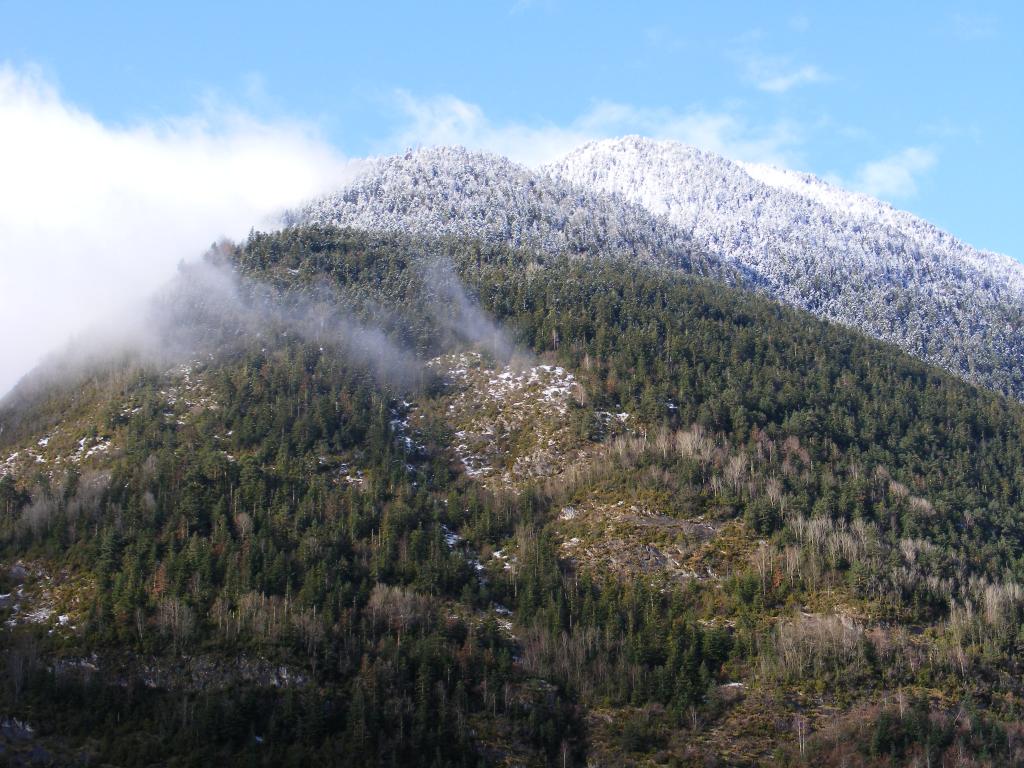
(451, 191)
(843, 256)
(379, 499)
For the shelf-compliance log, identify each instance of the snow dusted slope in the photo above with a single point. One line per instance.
(450, 191)
(843, 256)
(1001, 268)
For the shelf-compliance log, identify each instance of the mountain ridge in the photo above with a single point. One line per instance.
(849, 201)
(453, 191)
(842, 255)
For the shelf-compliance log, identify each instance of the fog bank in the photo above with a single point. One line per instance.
(94, 217)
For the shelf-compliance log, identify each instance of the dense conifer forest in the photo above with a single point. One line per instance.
(752, 537)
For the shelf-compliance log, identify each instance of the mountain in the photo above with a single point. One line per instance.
(371, 498)
(842, 256)
(451, 191)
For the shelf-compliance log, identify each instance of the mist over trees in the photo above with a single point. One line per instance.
(277, 568)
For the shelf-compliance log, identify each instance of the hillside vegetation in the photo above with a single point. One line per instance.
(842, 256)
(446, 502)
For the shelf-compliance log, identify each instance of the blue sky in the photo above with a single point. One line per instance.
(828, 88)
(134, 134)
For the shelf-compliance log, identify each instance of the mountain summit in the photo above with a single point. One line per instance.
(453, 192)
(843, 256)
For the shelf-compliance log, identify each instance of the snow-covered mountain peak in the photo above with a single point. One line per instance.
(841, 255)
(663, 174)
(814, 188)
(858, 204)
(643, 166)
(452, 191)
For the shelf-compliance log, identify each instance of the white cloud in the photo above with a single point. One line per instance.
(94, 216)
(448, 120)
(444, 120)
(783, 82)
(894, 176)
(774, 75)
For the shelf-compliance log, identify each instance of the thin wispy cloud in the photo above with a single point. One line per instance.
(896, 176)
(94, 216)
(787, 81)
(446, 119)
(774, 75)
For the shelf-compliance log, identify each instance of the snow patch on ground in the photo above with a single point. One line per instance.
(512, 423)
(41, 598)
